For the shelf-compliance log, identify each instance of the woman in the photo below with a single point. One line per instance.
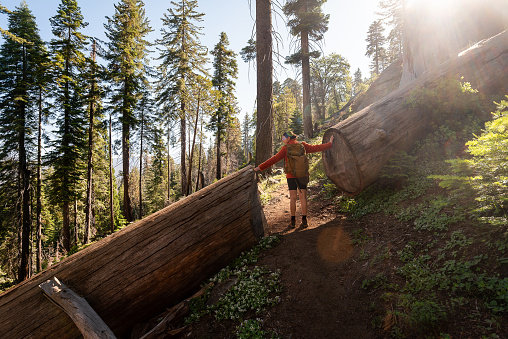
(294, 183)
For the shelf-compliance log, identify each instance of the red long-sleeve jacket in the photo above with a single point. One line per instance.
(282, 154)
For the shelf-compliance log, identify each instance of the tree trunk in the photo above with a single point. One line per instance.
(66, 225)
(24, 270)
(127, 206)
(141, 166)
(189, 186)
(218, 169)
(111, 207)
(169, 168)
(199, 159)
(139, 271)
(307, 110)
(183, 169)
(39, 186)
(89, 172)
(365, 142)
(264, 69)
(76, 226)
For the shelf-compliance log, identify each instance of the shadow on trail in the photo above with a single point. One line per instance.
(322, 295)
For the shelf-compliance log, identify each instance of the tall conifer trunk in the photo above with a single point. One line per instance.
(141, 166)
(39, 186)
(89, 175)
(24, 270)
(65, 146)
(183, 138)
(127, 206)
(307, 111)
(264, 126)
(111, 207)
(169, 168)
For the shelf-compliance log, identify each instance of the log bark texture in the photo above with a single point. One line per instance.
(365, 142)
(138, 272)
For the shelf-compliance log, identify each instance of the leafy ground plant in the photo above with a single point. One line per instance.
(254, 289)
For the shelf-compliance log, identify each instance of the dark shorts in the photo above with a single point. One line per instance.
(298, 183)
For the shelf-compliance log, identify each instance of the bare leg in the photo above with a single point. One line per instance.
(292, 202)
(303, 201)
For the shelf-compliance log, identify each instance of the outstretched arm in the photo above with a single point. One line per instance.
(272, 161)
(318, 148)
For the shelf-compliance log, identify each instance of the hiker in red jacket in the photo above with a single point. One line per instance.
(295, 183)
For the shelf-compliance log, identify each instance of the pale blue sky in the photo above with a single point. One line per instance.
(349, 22)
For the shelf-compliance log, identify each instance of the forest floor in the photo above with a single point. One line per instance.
(323, 269)
(320, 273)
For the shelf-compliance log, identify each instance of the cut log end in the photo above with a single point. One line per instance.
(341, 165)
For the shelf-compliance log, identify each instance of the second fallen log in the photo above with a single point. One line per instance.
(365, 142)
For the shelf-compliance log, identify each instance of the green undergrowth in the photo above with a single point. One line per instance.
(252, 290)
(449, 276)
(5, 282)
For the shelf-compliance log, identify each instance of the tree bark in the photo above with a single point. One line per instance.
(111, 207)
(24, 269)
(264, 69)
(39, 186)
(199, 159)
(169, 167)
(127, 206)
(365, 142)
(141, 165)
(183, 169)
(139, 271)
(307, 109)
(89, 170)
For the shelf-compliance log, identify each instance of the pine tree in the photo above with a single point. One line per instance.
(296, 122)
(391, 15)
(375, 47)
(20, 78)
(202, 94)
(183, 60)
(357, 81)
(147, 121)
(127, 55)
(246, 137)
(68, 149)
(94, 104)
(284, 105)
(330, 77)
(226, 70)
(309, 23)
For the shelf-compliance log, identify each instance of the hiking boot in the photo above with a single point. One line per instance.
(292, 225)
(304, 224)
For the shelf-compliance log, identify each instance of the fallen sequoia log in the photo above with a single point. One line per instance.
(365, 142)
(138, 272)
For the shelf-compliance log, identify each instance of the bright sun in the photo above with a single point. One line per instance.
(434, 5)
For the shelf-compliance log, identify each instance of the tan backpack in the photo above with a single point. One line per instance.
(296, 160)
